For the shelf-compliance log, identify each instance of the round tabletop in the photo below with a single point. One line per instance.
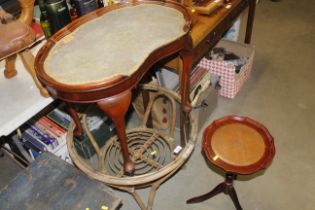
(238, 145)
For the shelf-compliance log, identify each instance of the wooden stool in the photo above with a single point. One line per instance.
(238, 145)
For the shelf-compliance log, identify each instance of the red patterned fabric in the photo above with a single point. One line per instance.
(230, 82)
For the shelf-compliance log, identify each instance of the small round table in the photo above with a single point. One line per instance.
(238, 145)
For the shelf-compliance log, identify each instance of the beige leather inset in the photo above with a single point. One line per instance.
(116, 43)
(238, 144)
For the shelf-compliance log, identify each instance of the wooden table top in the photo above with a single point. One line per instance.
(207, 23)
(238, 145)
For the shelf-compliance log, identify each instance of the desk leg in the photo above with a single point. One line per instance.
(184, 73)
(250, 20)
(116, 107)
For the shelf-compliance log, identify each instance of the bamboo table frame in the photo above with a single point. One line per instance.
(153, 178)
(113, 97)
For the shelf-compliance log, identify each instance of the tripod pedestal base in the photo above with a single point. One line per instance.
(224, 187)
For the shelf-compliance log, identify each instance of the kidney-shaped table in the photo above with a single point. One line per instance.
(102, 56)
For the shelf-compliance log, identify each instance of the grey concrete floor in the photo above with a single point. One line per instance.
(281, 95)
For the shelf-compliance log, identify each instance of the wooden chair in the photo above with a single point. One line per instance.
(238, 145)
(16, 38)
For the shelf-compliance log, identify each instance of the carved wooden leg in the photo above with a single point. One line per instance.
(250, 20)
(116, 108)
(233, 196)
(28, 61)
(218, 189)
(78, 131)
(10, 70)
(224, 187)
(184, 74)
(229, 189)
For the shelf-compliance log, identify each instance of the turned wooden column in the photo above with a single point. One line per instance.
(116, 108)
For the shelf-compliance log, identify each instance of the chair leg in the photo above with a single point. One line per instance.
(10, 70)
(28, 61)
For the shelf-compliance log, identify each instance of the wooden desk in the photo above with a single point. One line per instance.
(208, 30)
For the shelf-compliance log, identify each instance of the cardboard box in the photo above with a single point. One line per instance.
(230, 81)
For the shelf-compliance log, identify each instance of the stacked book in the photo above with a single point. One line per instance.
(45, 133)
(48, 133)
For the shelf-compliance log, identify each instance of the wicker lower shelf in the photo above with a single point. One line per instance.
(152, 150)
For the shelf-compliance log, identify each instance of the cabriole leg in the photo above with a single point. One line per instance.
(116, 108)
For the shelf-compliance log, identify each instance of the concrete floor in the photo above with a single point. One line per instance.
(281, 95)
